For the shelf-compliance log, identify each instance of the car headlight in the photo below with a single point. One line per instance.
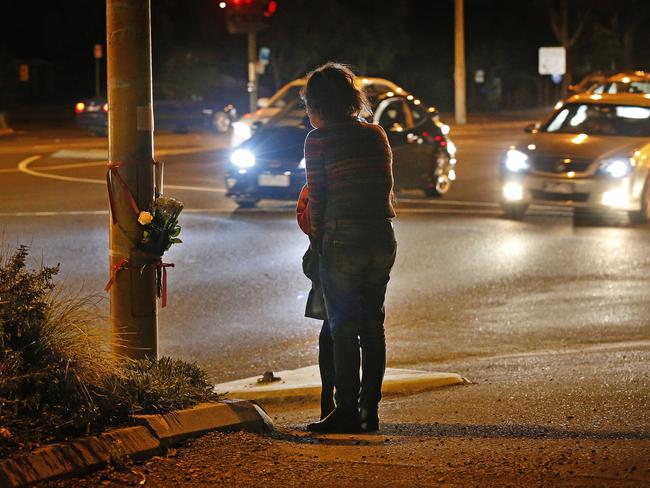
(516, 161)
(240, 132)
(302, 164)
(243, 158)
(616, 167)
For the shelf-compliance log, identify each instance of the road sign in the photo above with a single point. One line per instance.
(99, 51)
(265, 55)
(552, 60)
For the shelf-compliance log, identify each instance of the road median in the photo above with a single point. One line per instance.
(304, 384)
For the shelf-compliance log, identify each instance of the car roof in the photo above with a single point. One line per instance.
(364, 80)
(614, 99)
(627, 76)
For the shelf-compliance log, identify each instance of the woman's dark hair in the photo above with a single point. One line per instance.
(331, 92)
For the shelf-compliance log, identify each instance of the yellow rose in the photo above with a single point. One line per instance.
(145, 218)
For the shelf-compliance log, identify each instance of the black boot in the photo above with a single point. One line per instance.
(326, 367)
(369, 419)
(326, 401)
(347, 361)
(339, 421)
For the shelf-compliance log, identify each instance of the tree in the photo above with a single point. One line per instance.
(302, 35)
(567, 26)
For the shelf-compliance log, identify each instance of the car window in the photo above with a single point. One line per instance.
(601, 119)
(283, 98)
(292, 115)
(620, 87)
(393, 115)
(418, 112)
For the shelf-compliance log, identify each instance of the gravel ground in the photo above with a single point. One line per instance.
(575, 419)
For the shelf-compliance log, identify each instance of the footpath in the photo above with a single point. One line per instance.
(155, 435)
(577, 418)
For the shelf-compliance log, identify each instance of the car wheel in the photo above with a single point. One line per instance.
(439, 184)
(246, 202)
(642, 216)
(514, 211)
(220, 122)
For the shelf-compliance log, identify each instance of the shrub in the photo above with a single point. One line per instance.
(57, 374)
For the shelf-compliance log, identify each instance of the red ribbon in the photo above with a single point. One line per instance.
(113, 173)
(164, 266)
(121, 264)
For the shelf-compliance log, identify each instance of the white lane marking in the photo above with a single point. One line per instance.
(80, 154)
(23, 166)
(448, 202)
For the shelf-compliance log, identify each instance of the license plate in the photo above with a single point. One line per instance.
(553, 187)
(273, 180)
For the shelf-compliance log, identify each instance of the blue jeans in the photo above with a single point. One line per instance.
(356, 260)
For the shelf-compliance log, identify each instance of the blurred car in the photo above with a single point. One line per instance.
(626, 82)
(271, 165)
(592, 152)
(588, 81)
(245, 127)
(174, 110)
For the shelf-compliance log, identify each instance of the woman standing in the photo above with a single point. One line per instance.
(350, 181)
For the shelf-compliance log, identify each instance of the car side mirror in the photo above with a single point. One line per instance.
(532, 128)
(262, 102)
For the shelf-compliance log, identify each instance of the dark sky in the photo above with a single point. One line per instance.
(191, 43)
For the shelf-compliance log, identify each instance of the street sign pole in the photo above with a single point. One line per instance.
(252, 71)
(459, 66)
(98, 54)
(133, 312)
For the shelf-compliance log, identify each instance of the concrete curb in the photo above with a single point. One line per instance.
(152, 436)
(304, 384)
(174, 427)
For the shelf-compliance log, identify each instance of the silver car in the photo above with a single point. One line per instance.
(592, 152)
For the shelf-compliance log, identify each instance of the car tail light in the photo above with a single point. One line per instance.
(440, 140)
(79, 107)
(105, 107)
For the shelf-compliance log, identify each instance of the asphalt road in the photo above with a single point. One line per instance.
(549, 320)
(467, 284)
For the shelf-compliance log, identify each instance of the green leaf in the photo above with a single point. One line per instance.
(176, 232)
(176, 240)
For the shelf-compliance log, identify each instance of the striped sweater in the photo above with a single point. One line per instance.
(349, 173)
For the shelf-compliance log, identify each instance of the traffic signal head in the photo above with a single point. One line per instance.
(248, 15)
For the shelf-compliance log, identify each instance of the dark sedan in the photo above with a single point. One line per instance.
(174, 110)
(270, 164)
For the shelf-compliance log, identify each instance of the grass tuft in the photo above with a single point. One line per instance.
(58, 376)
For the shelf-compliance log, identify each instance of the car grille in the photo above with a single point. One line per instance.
(557, 165)
(559, 197)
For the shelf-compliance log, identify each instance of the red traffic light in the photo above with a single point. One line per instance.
(271, 7)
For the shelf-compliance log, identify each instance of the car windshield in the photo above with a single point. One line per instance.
(293, 114)
(601, 119)
(283, 98)
(641, 86)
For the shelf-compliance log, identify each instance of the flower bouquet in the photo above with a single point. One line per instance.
(161, 230)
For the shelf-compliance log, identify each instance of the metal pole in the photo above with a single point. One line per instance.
(133, 312)
(459, 68)
(97, 88)
(252, 71)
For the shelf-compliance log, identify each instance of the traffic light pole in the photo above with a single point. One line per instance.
(133, 312)
(459, 65)
(252, 71)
